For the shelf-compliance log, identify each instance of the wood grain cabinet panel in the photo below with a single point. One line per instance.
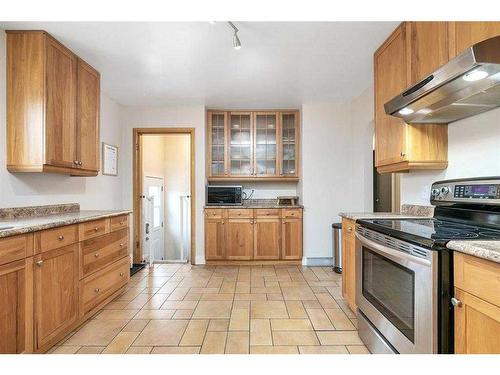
(15, 248)
(95, 228)
(215, 239)
(465, 34)
(56, 293)
(267, 236)
(291, 237)
(349, 262)
(118, 222)
(55, 238)
(52, 107)
(239, 242)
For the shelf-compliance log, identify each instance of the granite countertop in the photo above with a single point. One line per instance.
(25, 224)
(257, 203)
(489, 250)
(408, 211)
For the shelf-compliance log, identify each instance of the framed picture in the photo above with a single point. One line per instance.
(109, 159)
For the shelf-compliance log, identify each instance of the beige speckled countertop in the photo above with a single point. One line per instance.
(376, 215)
(32, 224)
(489, 250)
(257, 203)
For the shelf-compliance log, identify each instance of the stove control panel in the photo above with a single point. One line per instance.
(482, 191)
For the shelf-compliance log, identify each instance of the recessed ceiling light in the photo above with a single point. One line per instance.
(405, 111)
(475, 75)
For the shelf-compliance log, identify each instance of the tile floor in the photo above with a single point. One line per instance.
(184, 309)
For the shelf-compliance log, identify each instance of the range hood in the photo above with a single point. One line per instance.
(467, 85)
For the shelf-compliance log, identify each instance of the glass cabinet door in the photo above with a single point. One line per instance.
(265, 144)
(240, 144)
(289, 144)
(217, 147)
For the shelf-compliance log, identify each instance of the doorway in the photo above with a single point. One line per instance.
(163, 194)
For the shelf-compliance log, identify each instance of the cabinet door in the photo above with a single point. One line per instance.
(56, 292)
(289, 144)
(16, 307)
(468, 33)
(477, 325)
(428, 48)
(217, 144)
(291, 239)
(239, 243)
(215, 239)
(60, 117)
(240, 144)
(267, 235)
(88, 117)
(349, 263)
(265, 151)
(390, 80)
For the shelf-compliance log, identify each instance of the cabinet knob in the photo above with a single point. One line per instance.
(122, 222)
(96, 255)
(456, 302)
(121, 274)
(60, 238)
(121, 245)
(39, 263)
(97, 290)
(96, 229)
(80, 163)
(402, 154)
(349, 229)
(75, 162)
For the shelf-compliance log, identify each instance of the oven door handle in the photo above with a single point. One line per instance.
(391, 252)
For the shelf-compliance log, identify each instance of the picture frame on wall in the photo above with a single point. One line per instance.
(109, 159)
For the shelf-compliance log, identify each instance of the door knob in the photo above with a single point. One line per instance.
(456, 302)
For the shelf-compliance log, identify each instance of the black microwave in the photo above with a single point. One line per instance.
(224, 195)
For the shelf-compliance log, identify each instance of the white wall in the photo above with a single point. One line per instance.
(473, 151)
(39, 189)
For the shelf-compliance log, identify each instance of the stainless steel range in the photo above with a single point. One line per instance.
(405, 272)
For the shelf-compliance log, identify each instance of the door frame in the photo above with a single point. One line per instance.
(138, 185)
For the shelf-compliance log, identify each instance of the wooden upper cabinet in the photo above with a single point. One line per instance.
(400, 61)
(465, 34)
(52, 107)
(252, 145)
(428, 48)
(88, 106)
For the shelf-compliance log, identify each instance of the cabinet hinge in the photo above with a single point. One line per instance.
(137, 146)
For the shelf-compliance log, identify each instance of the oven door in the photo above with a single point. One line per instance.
(396, 291)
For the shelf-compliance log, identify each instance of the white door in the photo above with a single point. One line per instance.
(152, 209)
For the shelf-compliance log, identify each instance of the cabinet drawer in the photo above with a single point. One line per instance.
(97, 253)
(478, 277)
(118, 222)
(55, 238)
(215, 213)
(291, 212)
(94, 228)
(267, 212)
(15, 248)
(240, 212)
(95, 288)
(348, 228)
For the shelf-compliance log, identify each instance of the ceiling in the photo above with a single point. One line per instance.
(281, 64)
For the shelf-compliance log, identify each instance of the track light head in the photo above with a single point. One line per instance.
(236, 42)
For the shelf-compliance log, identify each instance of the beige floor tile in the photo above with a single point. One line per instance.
(260, 332)
(228, 287)
(267, 290)
(345, 308)
(192, 296)
(291, 325)
(242, 287)
(299, 293)
(156, 301)
(179, 305)
(326, 301)
(178, 294)
(183, 314)
(320, 320)
(295, 338)
(213, 310)
(218, 325)
(274, 350)
(335, 291)
(240, 320)
(162, 333)
(139, 350)
(215, 282)
(214, 343)
(168, 288)
(176, 350)
(116, 314)
(116, 305)
(90, 350)
(66, 349)
(194, 334)
(268, 309)
(237, 342)
(204, 290)
(312, 304)
(319, 289)
(339, 338)
(357, 349)
(296, 309)
(274, 297)
(328, 349)
(250, 297)
(340, 320)
(154, 314)
(241, 304)
(217, 297)
(121, 343)
(97, 332)
(135, 325)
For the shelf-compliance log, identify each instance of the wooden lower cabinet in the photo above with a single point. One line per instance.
(253, 234)
(56, 293)
(477, 305)
(349, 263)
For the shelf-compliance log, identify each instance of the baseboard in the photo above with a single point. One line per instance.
(318, 262)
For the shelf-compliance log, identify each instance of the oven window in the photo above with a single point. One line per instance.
(390, 288)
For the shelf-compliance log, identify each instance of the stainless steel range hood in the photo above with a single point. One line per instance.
(467, 85)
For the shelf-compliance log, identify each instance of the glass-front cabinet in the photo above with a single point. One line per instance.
(253, 145)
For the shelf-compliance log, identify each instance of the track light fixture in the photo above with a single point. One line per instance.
(236, 40)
